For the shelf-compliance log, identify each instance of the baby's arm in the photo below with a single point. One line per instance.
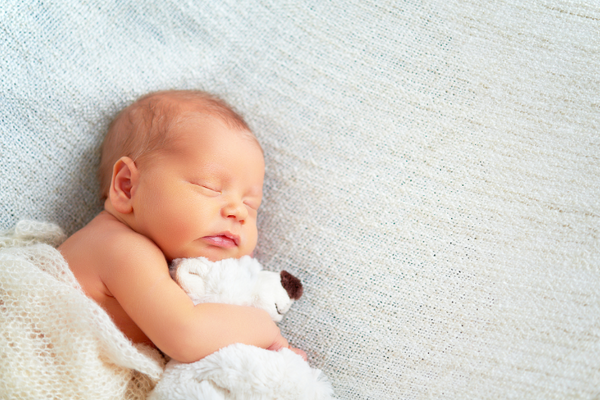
(138, 278)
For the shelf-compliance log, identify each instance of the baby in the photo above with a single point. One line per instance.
(182, 176)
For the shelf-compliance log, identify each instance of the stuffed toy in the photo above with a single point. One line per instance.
(240, 371)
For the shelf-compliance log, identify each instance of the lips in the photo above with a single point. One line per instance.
(225, 240)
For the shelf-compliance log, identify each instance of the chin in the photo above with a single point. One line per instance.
(220, 255)
(215, 253)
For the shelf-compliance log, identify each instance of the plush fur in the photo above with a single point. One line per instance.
(240, 371)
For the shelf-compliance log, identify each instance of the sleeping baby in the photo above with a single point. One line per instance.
(181, 176)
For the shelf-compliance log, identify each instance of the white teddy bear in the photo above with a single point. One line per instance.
(240, 371)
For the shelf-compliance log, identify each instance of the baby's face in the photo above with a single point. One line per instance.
(200, 196)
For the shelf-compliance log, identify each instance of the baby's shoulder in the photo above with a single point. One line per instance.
(113, 243)
(119, 239)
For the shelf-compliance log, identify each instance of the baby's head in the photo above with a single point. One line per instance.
(183, 169)
(143, 128)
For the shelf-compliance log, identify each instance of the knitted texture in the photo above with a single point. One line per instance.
(433, 171)
(54, 341)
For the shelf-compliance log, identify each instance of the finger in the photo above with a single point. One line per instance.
(279, 343)
(301, 353)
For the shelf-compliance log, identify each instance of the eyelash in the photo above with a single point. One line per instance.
(251, 206)
(211, 189)
(205, 187)
(219, 192)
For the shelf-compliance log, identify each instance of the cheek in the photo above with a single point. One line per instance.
(251, 239)
(175, 215)
(190, 216)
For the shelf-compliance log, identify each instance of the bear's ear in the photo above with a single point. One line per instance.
(292, 285)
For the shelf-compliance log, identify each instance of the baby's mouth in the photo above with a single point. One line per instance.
(225, 240)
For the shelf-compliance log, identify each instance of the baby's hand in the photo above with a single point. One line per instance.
(301, 353)
(281, 343)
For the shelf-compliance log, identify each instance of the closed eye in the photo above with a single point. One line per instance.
(210, 189)
(207, 189)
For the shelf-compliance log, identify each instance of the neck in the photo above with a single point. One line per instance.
(125, 219)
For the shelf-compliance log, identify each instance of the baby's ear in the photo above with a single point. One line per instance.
(124, 178)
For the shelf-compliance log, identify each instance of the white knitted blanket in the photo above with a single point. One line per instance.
(55, 343)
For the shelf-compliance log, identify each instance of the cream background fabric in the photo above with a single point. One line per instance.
(433, 169)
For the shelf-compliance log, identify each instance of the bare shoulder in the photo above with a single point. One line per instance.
(121, 248)
(120, 240)
(106, 247)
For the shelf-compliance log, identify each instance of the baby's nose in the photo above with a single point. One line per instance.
(235, 210)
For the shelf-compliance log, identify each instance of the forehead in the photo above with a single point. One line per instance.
(205, 140)
(195, 126)
(187, 117)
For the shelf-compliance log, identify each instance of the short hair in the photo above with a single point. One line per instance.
(143, 127)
